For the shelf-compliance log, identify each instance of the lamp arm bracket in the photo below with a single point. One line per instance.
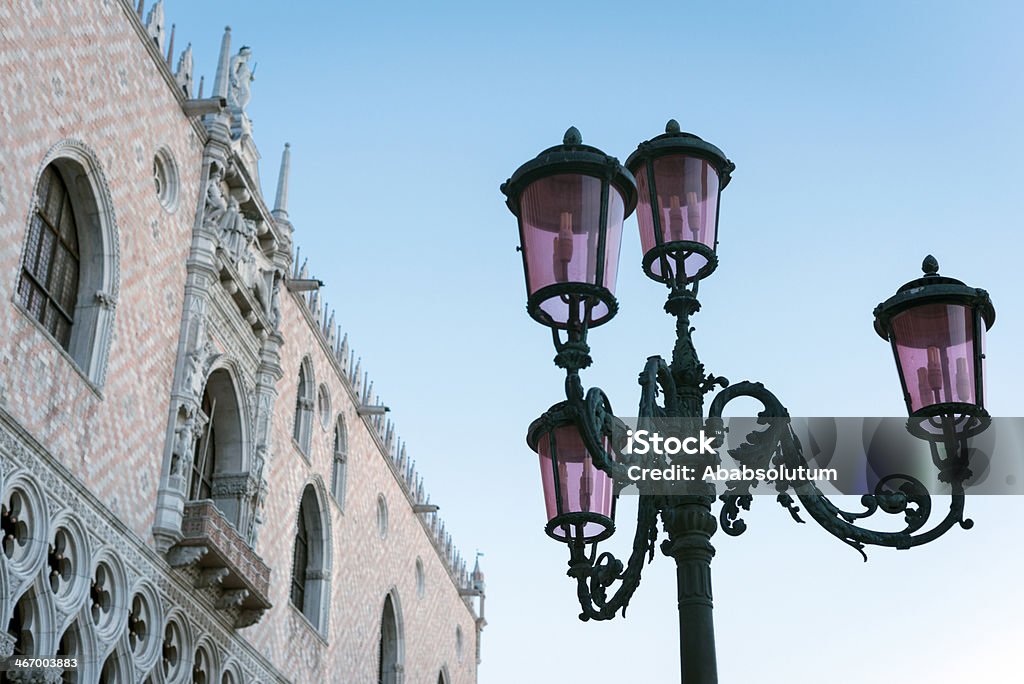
(657, 378)
(597, 573)
(757, 451)
(896, 494)
(595, 419)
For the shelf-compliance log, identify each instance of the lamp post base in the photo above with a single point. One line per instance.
(690, 524)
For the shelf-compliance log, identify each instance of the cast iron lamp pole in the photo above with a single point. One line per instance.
(571, 202)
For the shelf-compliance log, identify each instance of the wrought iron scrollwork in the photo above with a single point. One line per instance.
(758, 451)
(656, 379)
(893, 495)
(596, 573)
(605, 584)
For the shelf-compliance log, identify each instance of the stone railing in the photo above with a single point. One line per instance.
(224, 562)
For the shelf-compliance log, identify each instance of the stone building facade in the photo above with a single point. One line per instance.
(198, 483)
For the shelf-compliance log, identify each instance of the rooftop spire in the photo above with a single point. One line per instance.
(478, 574)
(155, 24)
(183, 74)
(170, 46)
(281, 201)
(220, 81)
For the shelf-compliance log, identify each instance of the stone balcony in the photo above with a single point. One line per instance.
(223, 562)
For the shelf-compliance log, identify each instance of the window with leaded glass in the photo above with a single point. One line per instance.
(311, 560)
(388, 663)
(300, 563)
(303, 426)
(48, 286)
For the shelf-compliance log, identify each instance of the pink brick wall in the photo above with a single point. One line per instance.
(80, 71)
(365, 566)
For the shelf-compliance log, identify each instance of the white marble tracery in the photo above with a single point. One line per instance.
(89, 589)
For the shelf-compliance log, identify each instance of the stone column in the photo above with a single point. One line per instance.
(268, 374)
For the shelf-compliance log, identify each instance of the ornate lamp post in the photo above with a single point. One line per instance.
(571, 201)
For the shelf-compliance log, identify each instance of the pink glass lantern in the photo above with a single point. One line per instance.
(679, 181)
(571, 202)
(579, 498)
(936, 326)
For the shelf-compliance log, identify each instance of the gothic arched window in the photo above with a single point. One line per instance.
(68, 276)
(340, 461)
(389, 662)
(303, 426)
(71, 646)
(311, 560)
(24, 625)
(300, 562)
(48, 287)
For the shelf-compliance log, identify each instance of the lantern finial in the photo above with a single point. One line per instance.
(572, 136)
(672, 126)
(930, 265)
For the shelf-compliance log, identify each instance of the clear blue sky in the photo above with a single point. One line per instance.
(866, 135)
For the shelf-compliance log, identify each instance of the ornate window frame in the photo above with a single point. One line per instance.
(99, 277)
(305, 404)
(313, 516)
(230, 469)
(339, 461)
(393, 673)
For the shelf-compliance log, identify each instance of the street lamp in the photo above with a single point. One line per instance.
(935, 326)
(680, 179)
(578, 496)
(571, 202)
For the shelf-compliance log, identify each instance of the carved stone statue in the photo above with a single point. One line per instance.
(199, 362)
(216, 205)
(195, 374)
(184, 440)
(240, 90)
(258, 517)
(236, 231)
(262, 289)
(275, 304)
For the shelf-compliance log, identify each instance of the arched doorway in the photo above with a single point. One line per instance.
(219, 451)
